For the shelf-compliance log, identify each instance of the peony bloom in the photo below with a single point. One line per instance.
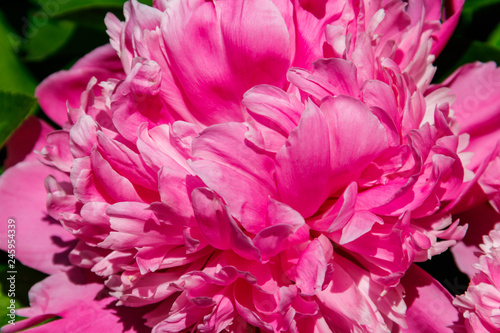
(481, 302)
(226, 167)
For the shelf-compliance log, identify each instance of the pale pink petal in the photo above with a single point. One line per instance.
(132, 219)
(58, 150)
(126, 162)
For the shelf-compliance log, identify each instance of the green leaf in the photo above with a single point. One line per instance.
(472, 51)
(15, 77)
(474, 5)
(48, 39)
(89, 13)
(14, 108)
(58, 8)
(479, 51)
(494, 38)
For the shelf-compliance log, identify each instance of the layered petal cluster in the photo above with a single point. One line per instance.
(477, 111)
(268, 164)
(480, 304)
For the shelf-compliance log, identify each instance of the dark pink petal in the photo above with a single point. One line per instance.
(337, 216)
(272, 240)
(175, 188)
(30, 136)
(430, 307)
(67, 86)
(379, 94)
(361, 222)
(490, 184)
(452, 10)
(343, 305)
(481, 220)
(157, 151)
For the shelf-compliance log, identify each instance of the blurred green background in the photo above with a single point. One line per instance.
(39, 37)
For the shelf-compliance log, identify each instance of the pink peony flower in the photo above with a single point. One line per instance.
(227, 166)
(481, 302)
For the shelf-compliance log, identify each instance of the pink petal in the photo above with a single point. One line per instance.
(311, 19)
(476, 108)
(22, 186)
(311, 269)
(304, 162)
(430, 307)
(58, 150)
(361, 222)
(281, 111)
(218, 227)
(137, 100)
(453, 10)
(356, 138)
(481, 220)
(343, 304)
(230, 53)
(126, 162)
(30, 136)
(242, 176)
(337, 216)
(331, 77)
(72, 296)
(136, 226)
(67, 86)
(119, 188)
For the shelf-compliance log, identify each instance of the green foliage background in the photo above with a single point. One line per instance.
(39, 37)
